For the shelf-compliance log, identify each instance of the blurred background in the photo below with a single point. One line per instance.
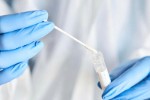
(63, 70)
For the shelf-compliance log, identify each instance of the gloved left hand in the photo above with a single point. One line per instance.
(19, 41)
(130, 81)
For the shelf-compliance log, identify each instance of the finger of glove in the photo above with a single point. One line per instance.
(129, 78)
(138, 92)
(8, 58)
(119, 70)
(17, 21)
(25, 36)
(12, 72)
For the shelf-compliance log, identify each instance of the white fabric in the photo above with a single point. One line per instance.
(4, 8)
(63, 71)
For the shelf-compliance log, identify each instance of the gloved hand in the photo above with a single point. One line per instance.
(19, 35)
(130, 81)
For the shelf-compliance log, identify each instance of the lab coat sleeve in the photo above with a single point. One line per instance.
(143, 51)
(24, 5)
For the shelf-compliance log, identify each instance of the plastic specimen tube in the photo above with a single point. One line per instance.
(98, 61)
(101, 69)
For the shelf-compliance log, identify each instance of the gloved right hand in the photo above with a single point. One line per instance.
(19, 35)
(130, 81)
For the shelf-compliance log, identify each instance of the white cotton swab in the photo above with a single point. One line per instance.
(98, 61)
(75, 39)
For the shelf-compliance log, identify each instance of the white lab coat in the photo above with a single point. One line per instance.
(62, 70)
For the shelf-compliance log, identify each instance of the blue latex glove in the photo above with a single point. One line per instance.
(19, 35)
(130, 81)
